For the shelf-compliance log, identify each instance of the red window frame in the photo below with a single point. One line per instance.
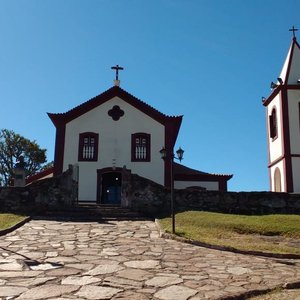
(140, 147)
(88, 146)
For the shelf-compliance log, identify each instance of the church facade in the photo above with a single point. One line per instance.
(116, 132)
(283, 125)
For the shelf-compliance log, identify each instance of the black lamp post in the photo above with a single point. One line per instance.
(171, 156)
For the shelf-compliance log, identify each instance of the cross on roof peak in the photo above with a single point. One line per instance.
(117, 68)
(293, 29)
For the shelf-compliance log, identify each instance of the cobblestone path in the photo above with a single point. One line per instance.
(58, 260)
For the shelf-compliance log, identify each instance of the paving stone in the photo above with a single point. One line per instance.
(194, 277)
(109, 253)
(104, 269)
(168, 274)
(213, 295)
(63, 272)
(142, 264)
(147, 290)
(11, 291)
(81, 266)
(80, 280)
(51, 254)
(239, 270)
(130, 295)
(124, 260)
(161, 281)
(47, 291)
(14, 274)
(62, 259)
(11, 266)
(97, 292)
(29, 282)
(122, 282)
(177, 292)
(65, 298)
(208, 287)
(134, 274)
(68, 252)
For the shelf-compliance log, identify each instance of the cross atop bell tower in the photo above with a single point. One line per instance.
(117, 68)
(293, 29)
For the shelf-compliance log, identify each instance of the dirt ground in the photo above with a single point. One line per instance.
(280, 295)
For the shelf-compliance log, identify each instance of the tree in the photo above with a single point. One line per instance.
(12, 147)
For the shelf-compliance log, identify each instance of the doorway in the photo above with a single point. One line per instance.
(111, 184)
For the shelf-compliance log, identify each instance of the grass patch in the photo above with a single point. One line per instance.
(267, 233)
(9, 220)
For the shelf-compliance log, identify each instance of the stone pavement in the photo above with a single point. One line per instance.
(47, 259)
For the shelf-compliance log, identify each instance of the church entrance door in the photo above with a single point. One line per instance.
(111, 184)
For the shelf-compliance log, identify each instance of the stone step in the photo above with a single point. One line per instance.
(97, 212)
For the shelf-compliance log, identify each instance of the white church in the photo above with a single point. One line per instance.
(115, 131)
(283, 124)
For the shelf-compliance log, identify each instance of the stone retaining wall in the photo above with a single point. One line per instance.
(40, 196)
(153, 199)
(146, 197)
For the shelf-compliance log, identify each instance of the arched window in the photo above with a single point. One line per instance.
(88, 146)
(277, 180)
(140, 147)
(273, 124)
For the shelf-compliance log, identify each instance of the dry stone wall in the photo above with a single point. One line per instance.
(146, 197)
(40, 196)
(152, 199)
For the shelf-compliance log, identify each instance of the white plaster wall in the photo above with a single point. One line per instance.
(296, 173)
(294, 125)
(280, 166)
(295, 67)
(209, 185)
(275, 145)
(114, 144)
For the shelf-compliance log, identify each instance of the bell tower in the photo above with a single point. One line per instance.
(283, 124)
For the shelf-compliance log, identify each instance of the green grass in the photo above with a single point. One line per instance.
(9, 220)
(267, 233)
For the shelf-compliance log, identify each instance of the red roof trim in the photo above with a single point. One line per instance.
(278, 89)
(201, 177)
(273, 95)
(39, 175)
(115, 91)
(187, 174)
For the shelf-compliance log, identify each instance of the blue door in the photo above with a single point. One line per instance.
(111, 188)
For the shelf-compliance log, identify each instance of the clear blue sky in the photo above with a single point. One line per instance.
(211, 61)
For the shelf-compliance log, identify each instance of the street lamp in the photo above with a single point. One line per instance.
(165, 155)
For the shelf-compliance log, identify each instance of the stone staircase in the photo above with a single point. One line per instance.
(91, 211)
(107, 211)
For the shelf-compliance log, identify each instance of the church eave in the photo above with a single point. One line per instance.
(115, 91)
(278, 89)
(273, 95)
(184, 173)
(202, 177)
